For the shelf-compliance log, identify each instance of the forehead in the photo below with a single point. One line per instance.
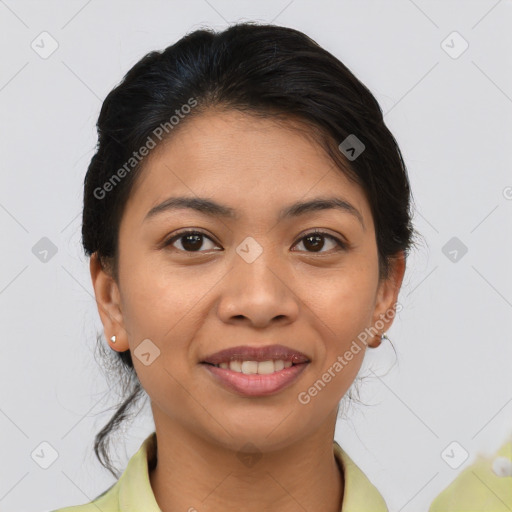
(245, 161)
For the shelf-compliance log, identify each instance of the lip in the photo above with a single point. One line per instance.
(248, 353)
(255, 384)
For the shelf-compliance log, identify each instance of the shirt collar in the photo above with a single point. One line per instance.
(136, 494)
(359, 494)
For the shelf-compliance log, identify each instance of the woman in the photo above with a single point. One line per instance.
(248, 218)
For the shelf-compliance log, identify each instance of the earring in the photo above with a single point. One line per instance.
(384, 336)
(113, 339)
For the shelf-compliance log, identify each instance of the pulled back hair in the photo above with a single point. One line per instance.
(264, 70)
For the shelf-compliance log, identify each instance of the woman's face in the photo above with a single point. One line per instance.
(251, 278)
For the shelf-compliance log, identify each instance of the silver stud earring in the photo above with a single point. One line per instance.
(113, 339)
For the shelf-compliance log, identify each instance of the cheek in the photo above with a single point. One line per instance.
(166, 308)
(352, 309)
(343, 301)
(157, 300)
(341, 306)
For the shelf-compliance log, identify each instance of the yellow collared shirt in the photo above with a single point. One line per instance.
(484, 486)
(133, 492)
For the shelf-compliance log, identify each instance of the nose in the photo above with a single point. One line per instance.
(257, 294)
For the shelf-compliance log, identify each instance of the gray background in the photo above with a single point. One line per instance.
(452, 119)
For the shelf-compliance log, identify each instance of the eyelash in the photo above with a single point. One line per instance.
(341, 245)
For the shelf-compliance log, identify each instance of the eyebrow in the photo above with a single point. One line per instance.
(213, 209)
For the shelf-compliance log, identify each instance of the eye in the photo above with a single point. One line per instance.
(315, 241)
(193, 240)
(190, 241)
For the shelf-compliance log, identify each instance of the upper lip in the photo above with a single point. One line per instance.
(248, 353)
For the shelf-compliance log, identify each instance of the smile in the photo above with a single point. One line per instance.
(253, 367)
(253, 378)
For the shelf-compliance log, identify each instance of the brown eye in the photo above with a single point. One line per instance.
(190, 241)
(315, 242)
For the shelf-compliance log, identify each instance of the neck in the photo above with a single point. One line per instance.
(193, 473)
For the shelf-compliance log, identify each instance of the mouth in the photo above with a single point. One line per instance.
(256, 370)
(248, 367)
(244, 377)
(257, 354)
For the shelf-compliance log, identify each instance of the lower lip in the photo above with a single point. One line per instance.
(255, 384)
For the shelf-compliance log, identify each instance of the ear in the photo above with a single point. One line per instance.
(108, 302)
(387, 296)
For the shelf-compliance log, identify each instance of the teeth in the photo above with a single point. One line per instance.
(252, 367)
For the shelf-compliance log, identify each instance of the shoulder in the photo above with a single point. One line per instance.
(359, 493)
(483, 486)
